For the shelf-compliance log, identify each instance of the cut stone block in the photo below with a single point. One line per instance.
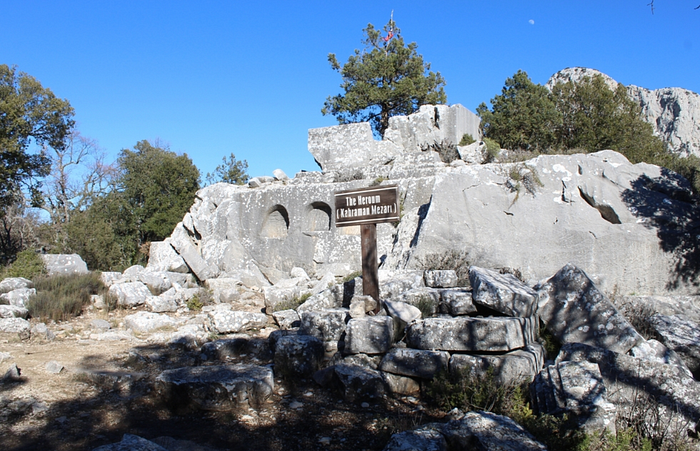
(415, 362)
(514, 367)
(369, 335)
(503, 293)
(298, 355)
(493, 334)
(326, 325)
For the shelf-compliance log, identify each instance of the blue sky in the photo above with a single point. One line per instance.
(211, 78)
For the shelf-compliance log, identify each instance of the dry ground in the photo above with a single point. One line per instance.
(106, 391)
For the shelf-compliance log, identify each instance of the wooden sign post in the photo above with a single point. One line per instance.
(367, 207)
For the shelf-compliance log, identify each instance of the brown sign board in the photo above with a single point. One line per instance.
(367, 206)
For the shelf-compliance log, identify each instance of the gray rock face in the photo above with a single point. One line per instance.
(414, 362)
(12, 283)
(326, 299)
(14, 325)
(514, 367)
(132, 443)
(64, 264)
(287, 319)
(424, 299)
(130, 294)
(369, 335)
(456, 302)
(13, 311)
(681, 336)
(360, 382)
(158, 304)
(472, 334)
(148, 322)
(218, 388)
(326, 325)
(187, 250)
(444, 278)
(575, 311)
(424, 439)
(405, 313)
(578, 388)
(227, 321)
(18, 297)
(299, 355)
(629, 381)
(163, 257)
(502, 292)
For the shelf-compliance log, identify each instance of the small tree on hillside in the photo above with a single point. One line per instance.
(524, 116)
(386, 79)
(231, 171)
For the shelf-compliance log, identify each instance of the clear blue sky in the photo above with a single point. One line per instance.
(215, 77)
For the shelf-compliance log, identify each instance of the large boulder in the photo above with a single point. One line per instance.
(492, 334)
(64, 264)
(682, 336)
(12, 283)
(217, 388)
(130, 294)
(503, 293)
(576, 311)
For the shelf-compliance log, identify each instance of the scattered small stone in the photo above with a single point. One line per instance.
(365, 405)
(295, 405)
(12, 374)
(53, 367)
(5, 356)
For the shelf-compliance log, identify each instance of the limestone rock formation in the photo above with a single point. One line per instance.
(674, 113)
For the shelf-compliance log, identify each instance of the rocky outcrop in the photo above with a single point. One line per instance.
(674, 113)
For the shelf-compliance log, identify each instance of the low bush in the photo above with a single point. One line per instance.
(292, 303)
(447, 150)
(492, 150)
(28, 265)
(63, 297)
(199, 300)
(467, 139)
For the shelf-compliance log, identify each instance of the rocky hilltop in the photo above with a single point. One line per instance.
(628, 226)
(673, 112)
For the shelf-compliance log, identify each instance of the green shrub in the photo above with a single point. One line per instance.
(352, 276)
(63, 297)
(292, 303)
(492, 150)
(447, 150)
(200, 299)
(466, 140)
(28, 265)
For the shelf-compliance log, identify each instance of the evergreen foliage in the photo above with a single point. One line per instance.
(231, 171)
(524, 116)
(29, 114)
(386, 79)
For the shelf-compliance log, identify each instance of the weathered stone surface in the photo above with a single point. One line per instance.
(163, 257)
(401, 385)
(298, 355)
(423, 439)
(472, 334)
(64, 264)
(405, 313)
(682, 336)
(360, 382)
(575, 311)
(18, 297)
(235, 346)
(276, 295)
(14, 325)
(488, 431)
(110, 278)
(160, 304)
(100, 324)
(396, 283)
(514, 367)
(443, 278)
(369, 335)
(12, 283)
(657, 352)
(186, 249)
(132, 443)
(280, 175)
(349, 146)
(13, 311)
(148, 322)
(457, 302)
(326, 325)
(578, 389)
(157, 281)
(414, 362)
(227, 321)
(425, 299)
(40, 330)
(630, 381)
(53, 367)
(432, 124)
(218, 388)
(287, 319)
(326, 299)
(130, 294)
(502, 292)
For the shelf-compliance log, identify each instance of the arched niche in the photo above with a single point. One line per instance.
(276, 223)
(318, 217)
